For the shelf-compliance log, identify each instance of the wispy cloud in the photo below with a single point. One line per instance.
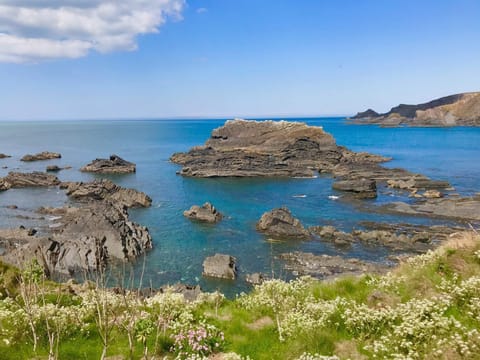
(202, 10)
(36, 30)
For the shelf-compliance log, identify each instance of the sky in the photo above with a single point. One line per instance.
(135, 59)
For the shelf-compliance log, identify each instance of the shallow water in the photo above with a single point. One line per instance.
(180, 245)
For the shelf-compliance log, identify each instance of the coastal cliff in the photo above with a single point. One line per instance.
(454, 110)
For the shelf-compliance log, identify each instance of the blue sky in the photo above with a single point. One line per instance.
(252, 58)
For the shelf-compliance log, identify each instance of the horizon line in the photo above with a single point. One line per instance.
(192, 117)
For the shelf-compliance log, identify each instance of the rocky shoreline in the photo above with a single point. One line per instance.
(94, 230)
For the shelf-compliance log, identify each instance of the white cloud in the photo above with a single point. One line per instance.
(35, 30)
(202, 10)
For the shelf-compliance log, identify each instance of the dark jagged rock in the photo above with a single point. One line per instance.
(3, 156)
(22, 180)
(280, 223)
(323, 266)
(44, 155)
(114, 165)
(459, 109)
(206, 213)
(359, 188)
(366, 114)
(106, 190)
(53, 168)
(220, 266)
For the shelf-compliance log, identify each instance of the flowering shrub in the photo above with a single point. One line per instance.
(202, 339)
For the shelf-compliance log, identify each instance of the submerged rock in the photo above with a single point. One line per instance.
(114, 165)
(44, 155)
(207, 213)
(359, 188)
(220, 266)
(22, 180)
(280, 223)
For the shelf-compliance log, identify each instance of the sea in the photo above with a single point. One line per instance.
(180, 245)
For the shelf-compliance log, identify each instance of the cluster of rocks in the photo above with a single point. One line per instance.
(113, 165)
(84, 237)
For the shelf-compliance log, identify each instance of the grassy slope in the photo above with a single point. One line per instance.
(428, 307)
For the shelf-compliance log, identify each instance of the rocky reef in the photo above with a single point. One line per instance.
(113, 165)
(44, 155)
(454, 110)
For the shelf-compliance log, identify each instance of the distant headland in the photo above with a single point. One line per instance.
(453, 110)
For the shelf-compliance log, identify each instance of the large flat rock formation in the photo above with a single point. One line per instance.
(247, 148)
(454, 110)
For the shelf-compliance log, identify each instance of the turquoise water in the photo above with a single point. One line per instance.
(180, 246)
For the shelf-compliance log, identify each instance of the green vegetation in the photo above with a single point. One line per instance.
(428, 307)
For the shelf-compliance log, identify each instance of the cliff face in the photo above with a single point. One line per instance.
(454, 110)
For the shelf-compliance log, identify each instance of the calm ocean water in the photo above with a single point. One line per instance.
(451, 154)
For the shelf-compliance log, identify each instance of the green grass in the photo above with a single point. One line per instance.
(253, 331)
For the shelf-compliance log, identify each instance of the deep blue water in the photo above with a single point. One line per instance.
(451, 154)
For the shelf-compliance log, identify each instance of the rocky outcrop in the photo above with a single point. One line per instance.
(22, 180)
(358, 188)
(3, 156)
(83, 239)
(220, 266)
(280, 223)
(114, 165)
(323, 266)
(44, 155)
(454, 110)
(106, 190)
(206, 213)
(263, 148)
(243, 148)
